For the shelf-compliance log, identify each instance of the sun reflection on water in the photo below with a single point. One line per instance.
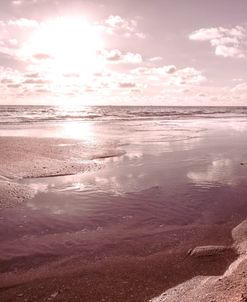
(83, 131)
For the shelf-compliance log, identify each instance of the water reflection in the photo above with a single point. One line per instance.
(75, 130)
(219, 172)
(120, 175)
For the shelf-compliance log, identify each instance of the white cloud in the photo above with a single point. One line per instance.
(155, 59)
(116, 56)
(205, 34)
(227, 42)
(229, 51)
(23, 22)
(119, 22)
(190, 75)
(23, 2)
(42, 56)
(16, 2)
(134, 58)
(116, 25)
(170, 69)
(241, 87)
(14, 85)
(172, 76)
(36, 81)
(127, 85)
(164, 70)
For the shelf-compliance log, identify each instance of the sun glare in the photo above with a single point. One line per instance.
(70, 44)
(83, 131)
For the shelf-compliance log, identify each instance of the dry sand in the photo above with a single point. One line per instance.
(40, 157)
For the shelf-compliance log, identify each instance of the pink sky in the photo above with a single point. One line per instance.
(158, 52)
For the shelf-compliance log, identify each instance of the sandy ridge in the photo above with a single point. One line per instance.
(28, 157)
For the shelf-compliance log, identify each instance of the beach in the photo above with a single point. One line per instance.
(107, 208)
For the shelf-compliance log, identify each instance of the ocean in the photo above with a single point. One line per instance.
(11, 114)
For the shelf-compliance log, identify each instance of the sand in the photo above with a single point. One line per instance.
(23, 157)
(231, 286)
(12, 194)
(27, 157)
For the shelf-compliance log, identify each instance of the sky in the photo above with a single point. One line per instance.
(128, 52)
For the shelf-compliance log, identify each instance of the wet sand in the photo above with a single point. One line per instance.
(121, 230)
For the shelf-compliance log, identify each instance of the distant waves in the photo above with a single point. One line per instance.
(39, 114)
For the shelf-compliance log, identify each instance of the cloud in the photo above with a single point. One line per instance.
(155, 59)
(116, 25)
(32, 75)
(8, 45)
(241, 87)
(228, 51)
(6, 81)
(127, 85)
(16, 2)
(189, 75)
(170, 69)
(36, 81)
(23, 22)
(42, 56)
(9, 60)
(42, 90)
(89, 89)
(71, 75)
(10, 78)
(227, 42)
(116, 56)
(14, 85)
(170, 75)
(164, 70)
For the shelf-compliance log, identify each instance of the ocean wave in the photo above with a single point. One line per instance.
(34, 114)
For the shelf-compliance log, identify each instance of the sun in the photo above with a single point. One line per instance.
(71, 45)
